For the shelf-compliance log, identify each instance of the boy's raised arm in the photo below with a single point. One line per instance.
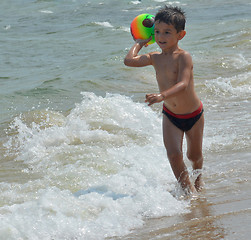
(132, 58)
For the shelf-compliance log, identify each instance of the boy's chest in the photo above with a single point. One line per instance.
(167, 68)
(166, 64)
(166, 71)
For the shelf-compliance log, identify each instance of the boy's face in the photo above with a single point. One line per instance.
(166, 36)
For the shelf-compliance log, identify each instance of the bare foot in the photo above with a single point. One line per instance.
(199, 183)
(189, 190)
(187, 193)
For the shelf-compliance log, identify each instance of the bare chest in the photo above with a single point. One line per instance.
(166, 72)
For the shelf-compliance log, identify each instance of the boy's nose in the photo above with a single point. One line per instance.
(160, 36)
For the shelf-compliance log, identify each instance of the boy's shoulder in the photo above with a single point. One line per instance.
(180, 52)
(183, 53)
(154, 53)
(185, 57)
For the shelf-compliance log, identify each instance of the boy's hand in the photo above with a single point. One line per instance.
(143, 42)
(154, 98)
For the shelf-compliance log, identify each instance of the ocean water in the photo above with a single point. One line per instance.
(81, 154)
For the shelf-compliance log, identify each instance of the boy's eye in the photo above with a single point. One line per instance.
(167, 32)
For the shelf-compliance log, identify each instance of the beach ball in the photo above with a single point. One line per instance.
(142, 27)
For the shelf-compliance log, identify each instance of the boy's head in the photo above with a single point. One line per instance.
(172, 16)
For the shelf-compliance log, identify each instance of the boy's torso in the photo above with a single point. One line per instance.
(167, 70)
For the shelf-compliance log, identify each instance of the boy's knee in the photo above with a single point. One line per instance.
(195, 157)
(174, 156)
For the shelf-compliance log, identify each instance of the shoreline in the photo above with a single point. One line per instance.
(208, 219)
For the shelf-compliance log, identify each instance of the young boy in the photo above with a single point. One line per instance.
(182, 109)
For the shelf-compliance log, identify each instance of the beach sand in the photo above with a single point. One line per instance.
(221, 211)
(222, 220)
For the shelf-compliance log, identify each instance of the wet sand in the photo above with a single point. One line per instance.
(222, 211)
(222, 220)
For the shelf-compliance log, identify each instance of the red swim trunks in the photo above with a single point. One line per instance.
(184, 122)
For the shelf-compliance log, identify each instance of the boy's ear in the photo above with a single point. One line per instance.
(182, 34)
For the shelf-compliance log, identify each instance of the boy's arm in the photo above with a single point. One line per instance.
(184, 76)
(132, 58)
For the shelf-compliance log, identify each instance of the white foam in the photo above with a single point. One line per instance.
(46, 11)
(7, 27)
(170, 2)
(176, 2)
(135, 2)
(239, 61)
(234, 86)
(101, 172)
(104, 24)
(125, 29)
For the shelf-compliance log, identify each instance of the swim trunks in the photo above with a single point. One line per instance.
(184, 122)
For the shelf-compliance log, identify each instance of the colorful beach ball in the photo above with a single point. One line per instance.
(142, 27)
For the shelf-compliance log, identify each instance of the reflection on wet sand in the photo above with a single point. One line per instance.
(200, 223)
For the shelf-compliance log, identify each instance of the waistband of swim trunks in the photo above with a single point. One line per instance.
(185, 116)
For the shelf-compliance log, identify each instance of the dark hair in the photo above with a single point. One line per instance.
(172, 15)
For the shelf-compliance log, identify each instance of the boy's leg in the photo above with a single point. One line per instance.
(173, 138)
(194, 148)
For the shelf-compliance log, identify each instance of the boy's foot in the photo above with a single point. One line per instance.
(199, 183)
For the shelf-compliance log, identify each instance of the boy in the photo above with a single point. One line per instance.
(182, 109)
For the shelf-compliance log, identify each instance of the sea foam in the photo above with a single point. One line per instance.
(100, 172)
